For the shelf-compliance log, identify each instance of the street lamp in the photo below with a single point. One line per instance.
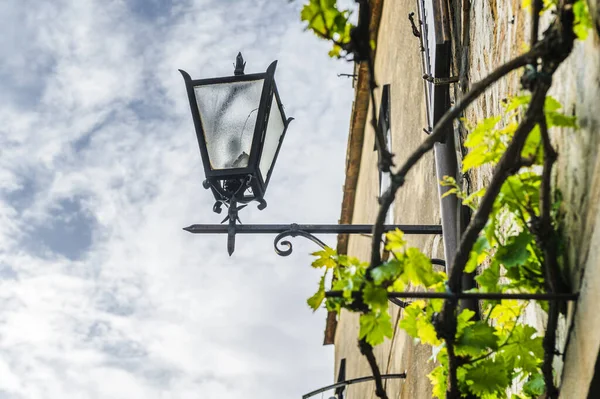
(240, 125)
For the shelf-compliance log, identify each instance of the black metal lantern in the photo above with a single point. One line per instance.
(240, 124)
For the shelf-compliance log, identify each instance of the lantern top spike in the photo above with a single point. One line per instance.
(239, 65)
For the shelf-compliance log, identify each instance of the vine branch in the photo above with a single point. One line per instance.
(558, 42)
(398, 178)
(367, 351)
(544, 232)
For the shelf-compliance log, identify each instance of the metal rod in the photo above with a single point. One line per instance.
(472, 295)
(350, 382)
(310, 228)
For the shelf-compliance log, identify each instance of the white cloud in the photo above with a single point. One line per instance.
(97, 139)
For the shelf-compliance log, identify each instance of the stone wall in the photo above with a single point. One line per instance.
(497, 34)
(497, 31)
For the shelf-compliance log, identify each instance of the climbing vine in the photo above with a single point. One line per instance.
(512, 241)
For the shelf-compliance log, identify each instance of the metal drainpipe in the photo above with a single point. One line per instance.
(446, 163)
(452, 212)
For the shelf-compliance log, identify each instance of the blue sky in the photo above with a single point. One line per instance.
(102, 294)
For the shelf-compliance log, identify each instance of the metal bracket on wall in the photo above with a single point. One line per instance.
(302, 230)
(441, 81)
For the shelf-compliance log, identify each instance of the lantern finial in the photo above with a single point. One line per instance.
(239, 65)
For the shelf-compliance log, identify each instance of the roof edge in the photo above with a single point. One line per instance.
(358, 118)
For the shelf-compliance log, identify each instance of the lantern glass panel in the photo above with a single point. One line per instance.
(228, 113)
(275, 129)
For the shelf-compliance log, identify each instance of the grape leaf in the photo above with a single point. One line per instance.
(583, 20)
(375, 297)
(438, 378)
(476, 339)
(535, 386)
(395, 240)
(515, 251)
(374, 327)
(463, 320)
(477, 254)
(325, 258)
(426, 331)
(516, 102)
(522, 350)
(487, 377)
(551, 104)
(418, 268)
(389, 271)
(506, 313)
(488, 279)
(316, 300)
(410, 315)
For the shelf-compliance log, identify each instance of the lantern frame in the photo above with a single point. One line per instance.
(244, 184)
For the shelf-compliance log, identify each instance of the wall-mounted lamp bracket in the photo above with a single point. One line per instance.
(295, 230)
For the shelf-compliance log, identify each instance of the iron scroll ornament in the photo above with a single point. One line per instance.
(294, 231)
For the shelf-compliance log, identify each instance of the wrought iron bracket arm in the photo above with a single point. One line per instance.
(303, 230)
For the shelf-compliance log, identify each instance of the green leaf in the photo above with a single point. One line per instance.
(477, 339)
(374, 327)
(581, 31)
(487, 377)
(416, 321)
(316, 300)
(328, 22)
(427, 333)
(438, 350)
(515, 252)
(348, 280)
(474, 158)
(463, 320)
(347, 261)
(439, 381)
(410, 315)
(398, 285)
(516, 102)
(506, 313)
(395, 240)
(388, 271)
(419, 270)
(477, 254)
(488, 279)
(326, 252)
(533, 143)
(477, 136)
(523, 351)
(471, 198)
(334, 304)
(535, 386)
(375, 297)
(561, 120)
(486, 143)
(583, 20)
(551, 104)
(325, 258)
(520, 192)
